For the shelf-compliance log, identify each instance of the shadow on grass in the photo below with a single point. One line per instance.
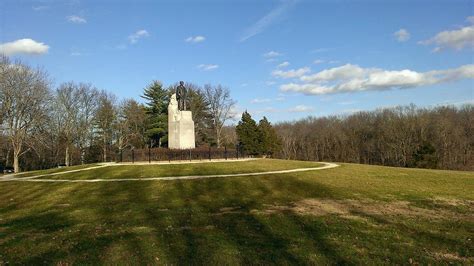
(179, 222)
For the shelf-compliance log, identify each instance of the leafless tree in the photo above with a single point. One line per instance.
(24, 94)
(220, 105)
(88, 105)
(105, 119)
(67, 105)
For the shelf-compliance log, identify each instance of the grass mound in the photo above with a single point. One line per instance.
(353, 214)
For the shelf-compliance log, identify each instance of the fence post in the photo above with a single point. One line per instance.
(209, 153)
(225, 152)
(190, 157)
(149, 154)
(237, 151)
(133, 155)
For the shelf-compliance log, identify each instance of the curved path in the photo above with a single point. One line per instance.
(164, 178)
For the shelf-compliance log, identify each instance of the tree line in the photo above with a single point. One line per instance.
(76, 123)
(405, 136)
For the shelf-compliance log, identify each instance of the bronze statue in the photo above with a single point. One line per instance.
(181, 96)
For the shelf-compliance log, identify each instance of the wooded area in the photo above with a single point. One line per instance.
(76, 123)
(441, 137)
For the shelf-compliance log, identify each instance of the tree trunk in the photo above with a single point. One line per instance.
(218, 139)
(16, 161)
(66, 159)
(105, 149)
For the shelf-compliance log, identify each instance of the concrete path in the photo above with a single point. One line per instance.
(165, 178)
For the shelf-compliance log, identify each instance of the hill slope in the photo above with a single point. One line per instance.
(350, 214)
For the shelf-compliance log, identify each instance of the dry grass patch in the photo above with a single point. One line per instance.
(355, 209)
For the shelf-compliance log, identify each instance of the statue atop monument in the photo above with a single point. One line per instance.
(181, 96)
(180, 122)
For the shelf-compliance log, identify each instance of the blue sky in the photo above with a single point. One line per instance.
(282, 59)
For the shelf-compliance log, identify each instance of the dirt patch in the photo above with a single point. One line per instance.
(454, 202)
(452, 257)
(229, 210)
(354, 209)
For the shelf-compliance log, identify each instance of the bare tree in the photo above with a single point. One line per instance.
(130, 125)
(24, 94)
(220, 106)
(105, 119)
(67, 107)
(88, 105)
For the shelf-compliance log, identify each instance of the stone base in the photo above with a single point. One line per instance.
(181, 131)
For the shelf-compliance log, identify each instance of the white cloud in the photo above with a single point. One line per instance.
(292, 73)
(402, 35)
(284, 64)
(76, 19)
(353, 78)
(318, 61)
(133, 38)
(206, 67)
(257, 100)
(301, 109)
(23, 46)
(76, 54)
(267, 100)
(270, 82)
(195, 39)
(455, 39)
(39, 8)
(271, 54)
(267, 20)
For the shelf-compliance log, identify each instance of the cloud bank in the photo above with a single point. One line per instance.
(24, 46)
(454, 39)
(353, 78)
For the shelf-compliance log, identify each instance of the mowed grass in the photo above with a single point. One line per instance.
(161, 170)
(353, 214)
(54, 170)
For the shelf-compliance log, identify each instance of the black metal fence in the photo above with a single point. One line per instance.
(164, 154)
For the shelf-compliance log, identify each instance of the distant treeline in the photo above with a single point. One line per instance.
(441, 137)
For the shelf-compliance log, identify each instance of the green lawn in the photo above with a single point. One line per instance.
(54, 170)
(353, 214)
(155, 170)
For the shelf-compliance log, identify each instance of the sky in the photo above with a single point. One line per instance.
(284, 60)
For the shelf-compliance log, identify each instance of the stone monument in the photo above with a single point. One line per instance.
(180, 122)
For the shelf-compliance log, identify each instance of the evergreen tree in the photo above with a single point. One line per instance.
(157, 109)
(248, 134)
(269, 140)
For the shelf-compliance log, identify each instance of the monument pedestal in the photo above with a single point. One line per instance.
(180, 127)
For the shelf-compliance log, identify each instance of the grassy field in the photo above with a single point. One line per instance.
(156, 170)
(353, 214)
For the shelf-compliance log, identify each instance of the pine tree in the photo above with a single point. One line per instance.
(157, 109)
(248, 134)
(269, 140)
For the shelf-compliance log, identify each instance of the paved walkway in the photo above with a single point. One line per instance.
(164, 178)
